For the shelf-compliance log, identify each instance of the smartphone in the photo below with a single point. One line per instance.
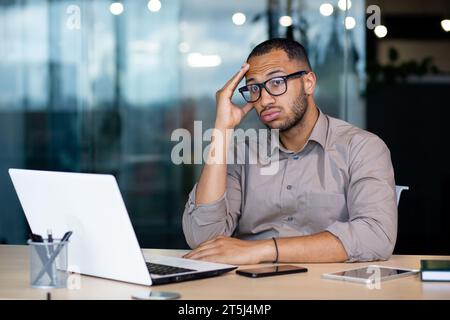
(270, 271)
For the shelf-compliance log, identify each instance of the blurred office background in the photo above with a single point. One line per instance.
(99, 86)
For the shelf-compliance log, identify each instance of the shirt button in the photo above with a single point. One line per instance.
(296, 157)
(289, 187)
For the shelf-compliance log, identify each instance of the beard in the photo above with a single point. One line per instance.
(299, 108)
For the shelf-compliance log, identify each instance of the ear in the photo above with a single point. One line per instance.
(309, 83)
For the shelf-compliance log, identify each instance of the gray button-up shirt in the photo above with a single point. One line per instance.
(342, 181)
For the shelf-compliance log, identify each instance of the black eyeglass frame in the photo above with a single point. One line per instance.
(263, 85)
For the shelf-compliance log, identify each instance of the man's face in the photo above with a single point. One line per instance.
(278, 112)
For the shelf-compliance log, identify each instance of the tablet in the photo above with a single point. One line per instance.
(370, 274)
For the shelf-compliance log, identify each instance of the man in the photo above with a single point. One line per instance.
(333, 196)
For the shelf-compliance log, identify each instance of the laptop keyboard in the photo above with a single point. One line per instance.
(161, 269)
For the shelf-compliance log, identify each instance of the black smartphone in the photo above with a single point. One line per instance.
(270, 271)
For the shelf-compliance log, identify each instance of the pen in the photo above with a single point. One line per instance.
(41, 251)
(54, 255)
(49, 235)
(66, 236)
(50, 247)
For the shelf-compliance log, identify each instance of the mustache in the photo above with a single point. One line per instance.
(302, 96)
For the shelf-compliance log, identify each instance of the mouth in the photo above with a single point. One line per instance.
(270, 115)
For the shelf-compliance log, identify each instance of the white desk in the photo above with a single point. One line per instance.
(14, 283)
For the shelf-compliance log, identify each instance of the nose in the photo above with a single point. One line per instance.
(266, 98)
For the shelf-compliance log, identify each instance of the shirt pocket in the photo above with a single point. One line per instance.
(323, 209)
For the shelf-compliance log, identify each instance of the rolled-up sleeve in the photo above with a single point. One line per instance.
(203, 222)
(371, 231)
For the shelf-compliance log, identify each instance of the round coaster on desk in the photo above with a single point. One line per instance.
(155, 295)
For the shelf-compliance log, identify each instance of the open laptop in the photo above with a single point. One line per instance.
(103, 243)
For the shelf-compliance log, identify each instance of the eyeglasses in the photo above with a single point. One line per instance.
(274, 86)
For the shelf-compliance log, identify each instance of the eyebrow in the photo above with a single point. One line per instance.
(269, 74)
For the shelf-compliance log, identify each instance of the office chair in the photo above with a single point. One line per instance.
(398, 191)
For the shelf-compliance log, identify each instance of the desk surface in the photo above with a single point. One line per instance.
(14, 283)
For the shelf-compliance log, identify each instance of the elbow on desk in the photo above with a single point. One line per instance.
(365, 240)
(384, 253)
(379, 249)
(381, 246)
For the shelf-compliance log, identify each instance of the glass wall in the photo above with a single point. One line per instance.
(408, 91)
(99, 86)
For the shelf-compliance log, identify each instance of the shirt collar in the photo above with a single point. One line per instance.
(320, 130)
(318, 134)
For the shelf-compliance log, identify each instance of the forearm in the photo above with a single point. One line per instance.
(212, 183)
(320, 247)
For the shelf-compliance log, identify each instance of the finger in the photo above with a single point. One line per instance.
(211, 241)
(247, 108)
(242, 71)
(217, 258)
(199, 249)
(195, 251)
(203, 245)
(204, 253)
(231, 85)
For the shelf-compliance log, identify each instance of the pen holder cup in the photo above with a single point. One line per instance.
(48, 264)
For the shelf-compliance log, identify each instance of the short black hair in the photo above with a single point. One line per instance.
(293, 49)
